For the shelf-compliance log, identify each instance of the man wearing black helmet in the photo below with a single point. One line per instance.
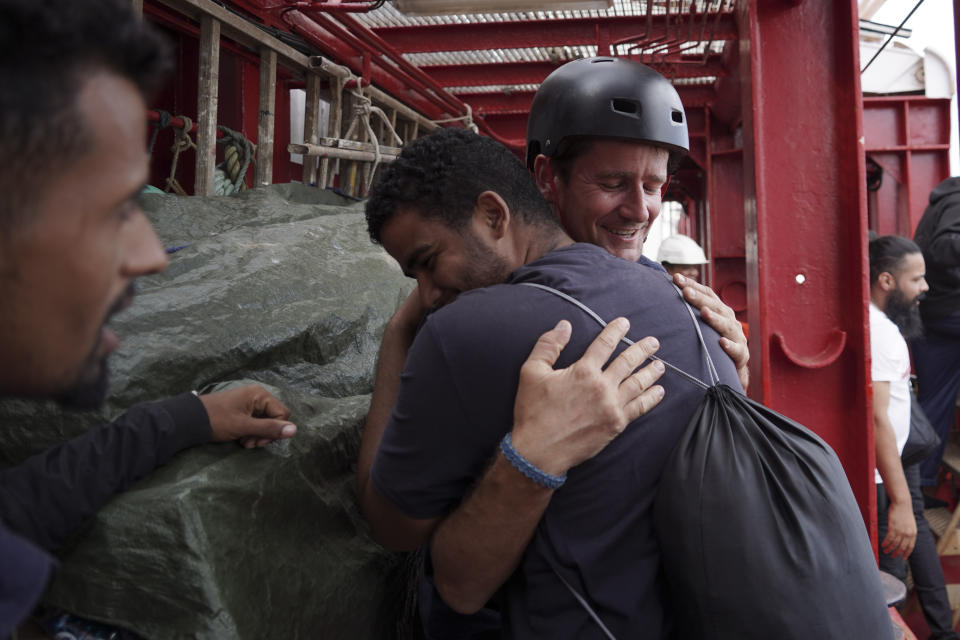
(554, 508)
(604, 135)
(612, 209)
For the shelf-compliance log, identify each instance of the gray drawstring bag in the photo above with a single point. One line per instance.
(759, 533)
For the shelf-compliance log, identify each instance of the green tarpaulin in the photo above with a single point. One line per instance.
(280, 286)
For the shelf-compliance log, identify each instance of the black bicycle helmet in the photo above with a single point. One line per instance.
(607, 97)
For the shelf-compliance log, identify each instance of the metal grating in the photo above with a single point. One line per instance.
(690, 29)
(507, 89)
(388, 15)
(490, 56)
(494, 62)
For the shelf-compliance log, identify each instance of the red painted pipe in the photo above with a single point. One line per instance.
(339, 43)
(343, 54)
(414, 80)
(380, 45)
(176, 122)
(335, 5)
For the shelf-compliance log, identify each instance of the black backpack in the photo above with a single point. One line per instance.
(759, 532)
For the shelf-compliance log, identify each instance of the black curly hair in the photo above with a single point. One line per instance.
(887, 254)
(48, 48)
(443, 173)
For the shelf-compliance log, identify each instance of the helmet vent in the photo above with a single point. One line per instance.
(628, 107)
(677, 116)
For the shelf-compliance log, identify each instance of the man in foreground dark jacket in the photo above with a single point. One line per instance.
(72, 241)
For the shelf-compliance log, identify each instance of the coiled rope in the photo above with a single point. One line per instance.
(229, 175)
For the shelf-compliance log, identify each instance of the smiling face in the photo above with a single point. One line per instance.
(444, 261)
(71, 263)
(611, 196)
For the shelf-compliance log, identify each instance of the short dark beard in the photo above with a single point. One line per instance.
(905, 314)
(486, 267)
(89, 391)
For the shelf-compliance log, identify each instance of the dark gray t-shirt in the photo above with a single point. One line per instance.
(456, 403)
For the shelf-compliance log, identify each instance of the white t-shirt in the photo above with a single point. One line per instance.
(890, 362)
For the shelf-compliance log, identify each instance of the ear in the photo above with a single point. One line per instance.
(542, 175)
(886, 281)
(492, 215)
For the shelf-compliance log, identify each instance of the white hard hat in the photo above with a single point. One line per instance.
(681, 250)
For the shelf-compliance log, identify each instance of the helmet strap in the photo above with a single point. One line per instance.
(556, 199)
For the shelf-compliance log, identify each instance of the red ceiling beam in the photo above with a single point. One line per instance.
(697, 96)
(495, 73)
(512, 126)
(550, 33)
(355, 49)
(489, 103)
(498, 101)
(369, 41)
(689, 66)
(343, 53)
(408, 73)
(507, 73)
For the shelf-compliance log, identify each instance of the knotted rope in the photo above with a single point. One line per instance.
(181, 142)
(229, 176)
(468, 119)
(363, 108)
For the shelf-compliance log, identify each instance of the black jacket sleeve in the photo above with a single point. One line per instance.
(938, 232)
(944, 251)
(51, 494)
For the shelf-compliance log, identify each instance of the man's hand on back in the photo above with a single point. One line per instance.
(722, 319)
(563, 417)
(249, 414)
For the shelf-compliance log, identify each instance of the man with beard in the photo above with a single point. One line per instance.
(72, 241)
(897, 285)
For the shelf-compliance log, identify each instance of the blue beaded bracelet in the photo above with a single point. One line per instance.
(527, 468)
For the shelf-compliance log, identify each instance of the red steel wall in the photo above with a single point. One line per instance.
(805, 218)
(776, 193)
(909, 138)
(786, 197)
(237, 107)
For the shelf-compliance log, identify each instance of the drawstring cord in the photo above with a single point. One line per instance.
(693, 379)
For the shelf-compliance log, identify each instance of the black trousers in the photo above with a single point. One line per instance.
(936, 357)
(924, 561)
